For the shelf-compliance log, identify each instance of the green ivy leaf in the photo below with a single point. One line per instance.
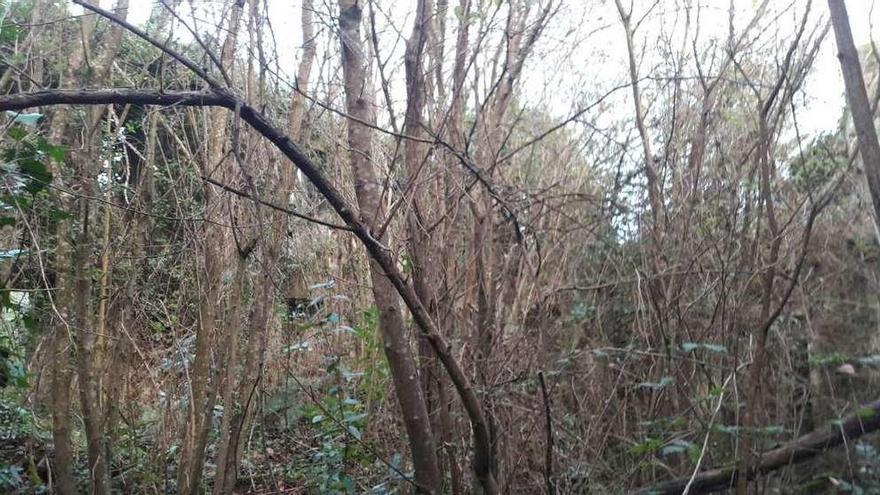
(872, 360)
(54, 152)
(16, 133)
(9, 33)
(728, 429)
(17, 372)
(37, 171)
(29, 322)
(354, 417)
(646, 446)
(866, 413)
(770, 430)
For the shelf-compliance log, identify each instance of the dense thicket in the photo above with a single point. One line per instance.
(438, 247)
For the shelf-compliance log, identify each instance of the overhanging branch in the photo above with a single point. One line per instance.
(120, 96)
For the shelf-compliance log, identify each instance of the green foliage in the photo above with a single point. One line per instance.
(17, 429)
(13, 14)
(818, 163)
(337, 418)
(764, 431)
(10, 478)
(9, 33)
(373, 360)
(25, 119)
(866, 413)
(680, 446)
(15, 420)
(582, 311)
(24, 161)
(16, 326)
(872, 360)
(336, 422)
(867, 480)
(653, 450)
(646, 446)
(833, 359)
(25, 176)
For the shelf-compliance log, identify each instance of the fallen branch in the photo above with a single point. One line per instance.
(865, 420)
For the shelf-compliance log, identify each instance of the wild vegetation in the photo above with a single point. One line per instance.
(439, 246)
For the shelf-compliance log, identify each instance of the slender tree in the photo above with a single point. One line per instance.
(858, 103)
(367, 187)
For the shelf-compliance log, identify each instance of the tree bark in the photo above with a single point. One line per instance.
(416, 165)
(655, 197)
(859, 105)
(224, 480)
(217, 253)
(60, 407)
(367, 189)
(63, 339)
(76, 334)
(89, 345)
(865, 420)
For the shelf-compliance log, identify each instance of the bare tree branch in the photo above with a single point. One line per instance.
(382, 256)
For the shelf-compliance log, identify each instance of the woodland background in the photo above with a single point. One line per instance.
(524, 246)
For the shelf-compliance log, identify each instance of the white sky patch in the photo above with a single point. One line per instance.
(582, 54)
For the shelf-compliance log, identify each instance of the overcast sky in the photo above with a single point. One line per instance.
(584, 47)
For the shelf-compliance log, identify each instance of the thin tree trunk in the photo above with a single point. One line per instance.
(60, 405)
(75, 295)
(272, 248)
(776, 101)
(367, 189)
(757, 376)
(216, 253)
(263, 316)
(654, 193)
(296, 116)
(225, 477)
(448, 232)
(89, 346)
(85, 351)
(420, 245)
(63, 339)
(859, 105)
